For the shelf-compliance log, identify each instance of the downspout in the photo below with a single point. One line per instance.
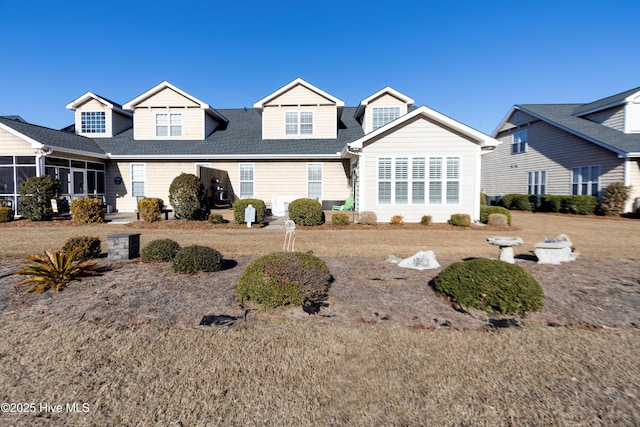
(41, 153)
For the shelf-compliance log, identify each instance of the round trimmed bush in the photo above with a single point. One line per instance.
(490, 285)
(91, 246)
(461, 220)
(215, 218)
(195, 258)
(150, 209)
(426, 220)
(485, 211)
(305, 211)
(283, 278)
(87, 210)
(498, 220)
(187, 197)
(160, 250)
(240, 205)
(368, 218)
(340, 218)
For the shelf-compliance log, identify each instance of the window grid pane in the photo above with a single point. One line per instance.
(93, 122)
(384, 115)
(384, 192)
(435, 192)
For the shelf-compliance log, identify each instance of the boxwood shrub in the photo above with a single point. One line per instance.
(87, 210)
(461, 220)
(240, 205)
(582, 205)
(305, 211)
(160, 250)
(91, 246)
(6, 214)
(195, 258)
(340, 218)
(490, 285)
(519, 202)
(150, 208)
(283, 278)
(485, 211)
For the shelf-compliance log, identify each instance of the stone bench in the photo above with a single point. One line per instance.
(555, 252)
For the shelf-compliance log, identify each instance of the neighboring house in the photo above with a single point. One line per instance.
(565, 149)
(299, 141)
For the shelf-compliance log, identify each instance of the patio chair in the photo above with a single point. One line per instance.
(348, 205)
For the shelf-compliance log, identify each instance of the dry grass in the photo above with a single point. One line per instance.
(292, 371)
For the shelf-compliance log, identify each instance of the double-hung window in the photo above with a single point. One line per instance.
(137, 179)
(246, 180)
(519, 142)
(585, 180)
(169, 124)
(537, 182)
(418, 180)
(93, 122)
(380, 116)
(314, 181)
(298, 123)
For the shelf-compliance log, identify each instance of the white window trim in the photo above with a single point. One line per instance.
(168, 124)
(89, 130)
(299, 124)
(144, 178)
(519, 145)
(321, 181)
(540, 188)
(253, 181)
(579, 183)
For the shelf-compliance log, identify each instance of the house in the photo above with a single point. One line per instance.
(299, 141)
(567, 149)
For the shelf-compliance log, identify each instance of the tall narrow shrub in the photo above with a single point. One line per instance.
(36, 194)
(615, 196)
(187, 196)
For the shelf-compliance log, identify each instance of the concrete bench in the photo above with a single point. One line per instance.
(555, 252)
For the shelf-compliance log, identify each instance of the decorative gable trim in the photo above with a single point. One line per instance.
(75, 104)
(260, 104)
(387, 90)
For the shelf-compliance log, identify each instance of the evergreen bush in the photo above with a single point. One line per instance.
(461, 220)
(519, 202)
(36, 194)
(305, 212)
(160, 250)
(283, 278)
(240, 205)
(150, 209)
(87, 210)
(6, 214)
(490, 285)
(485, 211)
(90, 244)
(614, 199)
(426, 220)
(340, 218)
(187, 197)
(215, 218)
(195, 258)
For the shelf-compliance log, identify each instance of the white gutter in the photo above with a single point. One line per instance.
(223, 156)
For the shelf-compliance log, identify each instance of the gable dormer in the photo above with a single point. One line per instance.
(167, 113)
(620, 112)
(98, 117)
(381, 108)
(299, 110)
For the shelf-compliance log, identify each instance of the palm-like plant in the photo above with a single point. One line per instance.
(55, 270)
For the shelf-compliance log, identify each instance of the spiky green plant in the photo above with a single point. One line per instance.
(55, 270)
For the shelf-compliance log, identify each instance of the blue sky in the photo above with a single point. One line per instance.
(470, 60)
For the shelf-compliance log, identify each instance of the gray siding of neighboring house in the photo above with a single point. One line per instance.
(611, 117)
(518, 118)
(552, 150)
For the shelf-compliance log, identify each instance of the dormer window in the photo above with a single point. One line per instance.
(93, 122)
(298, 123)
(168, 124)
(383, 115)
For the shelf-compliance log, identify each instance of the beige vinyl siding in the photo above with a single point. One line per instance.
(120, 122)
(300, 99)
(550, 149)
(145, 123)
(167, 97)
(384, 100)
(270, 178)
(421, 138)
(12, 145)
(518, 118)
(611, 117)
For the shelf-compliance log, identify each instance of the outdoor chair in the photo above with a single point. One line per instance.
(348, 205)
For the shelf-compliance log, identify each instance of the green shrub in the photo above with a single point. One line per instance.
(215, 218)
(87, 210)
(485, 211)
(36, 194)
(498, 220)
(283, 278)
(367, 218)
(582, 205)
(615, 196)
(397, 220)
(90, 244)
(340, 218)
(187, 197)
(483, 199)
(519, 202)
(490, 285)
(551, 203)
(150, 209)
(241, 205)
(192, 259)
(461, 220)
(6, 214)
(305, 212)
(160, 250)
(426, 220)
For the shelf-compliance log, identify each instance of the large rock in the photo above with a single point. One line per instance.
(422, 260)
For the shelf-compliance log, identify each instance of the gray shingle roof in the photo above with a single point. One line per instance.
(563, 116)
(610, 100)
(54, 138)
(241, 137)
